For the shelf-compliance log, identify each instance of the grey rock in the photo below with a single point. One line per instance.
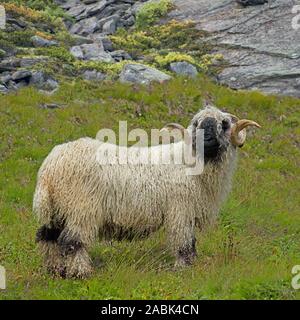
(3, 89)
(21, 75)
(5, 78)
(93, 75)
(10, 64)
(120, 55)
(43, 81)
(259, 45)
(31, 61)
(79, 40)
(77, 10)
(129, 22)
(42, 42)
(114, 17)
(184, 68)
(107, 44)
(109, 27)
(85, 27)
(97, 8)
(138, 73)
(70, 4)
(77, 52)
(11, 86)
(94, 51)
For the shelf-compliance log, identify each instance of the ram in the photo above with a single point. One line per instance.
(78, 198)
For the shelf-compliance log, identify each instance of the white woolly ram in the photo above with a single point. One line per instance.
(77, 198)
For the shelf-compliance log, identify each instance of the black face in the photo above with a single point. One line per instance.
(215, 138)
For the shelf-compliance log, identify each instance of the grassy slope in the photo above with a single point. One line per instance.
(249, 254)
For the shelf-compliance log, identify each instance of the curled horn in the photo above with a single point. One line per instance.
(238, 132)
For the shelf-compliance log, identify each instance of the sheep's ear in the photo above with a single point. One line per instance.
(234, 119)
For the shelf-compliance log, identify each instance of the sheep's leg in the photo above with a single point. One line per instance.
(181, 232)
(47, 239)
(76, 260)
(186, 253)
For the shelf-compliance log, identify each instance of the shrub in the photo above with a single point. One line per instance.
(164, 61)
(59, 53)
(20, 10)
(151, 12)
(17, 38)
(111, 69)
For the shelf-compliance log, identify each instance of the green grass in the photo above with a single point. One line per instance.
(249, 254)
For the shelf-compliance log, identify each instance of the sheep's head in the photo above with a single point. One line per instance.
(221, 130)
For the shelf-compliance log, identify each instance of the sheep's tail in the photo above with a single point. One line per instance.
(42, 204)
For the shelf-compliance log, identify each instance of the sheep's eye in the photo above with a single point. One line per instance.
(225, 125)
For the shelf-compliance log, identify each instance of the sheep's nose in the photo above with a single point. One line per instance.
(210, 128)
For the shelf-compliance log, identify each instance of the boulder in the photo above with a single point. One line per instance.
(79, 40)
(38, 42)
(109, 27)
(96, 8)
(138, 73)
(93, 75)
(85, 27)
(21, 75)
(5, 78)
(259, 45)
(26, 62)
(43, 81)
(3, 89)
(120, 55)
(184, 68)
(94, 51)
(77, 52)
(10, 64)
(76, 11)
(106, 42)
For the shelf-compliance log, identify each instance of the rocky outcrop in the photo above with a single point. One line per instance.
(94, 21)
(40, 42)
(184, 69)
(13, 76)
(94, 51)
(102, 16)
(141, 74)
(93, 75)
(259, 44)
